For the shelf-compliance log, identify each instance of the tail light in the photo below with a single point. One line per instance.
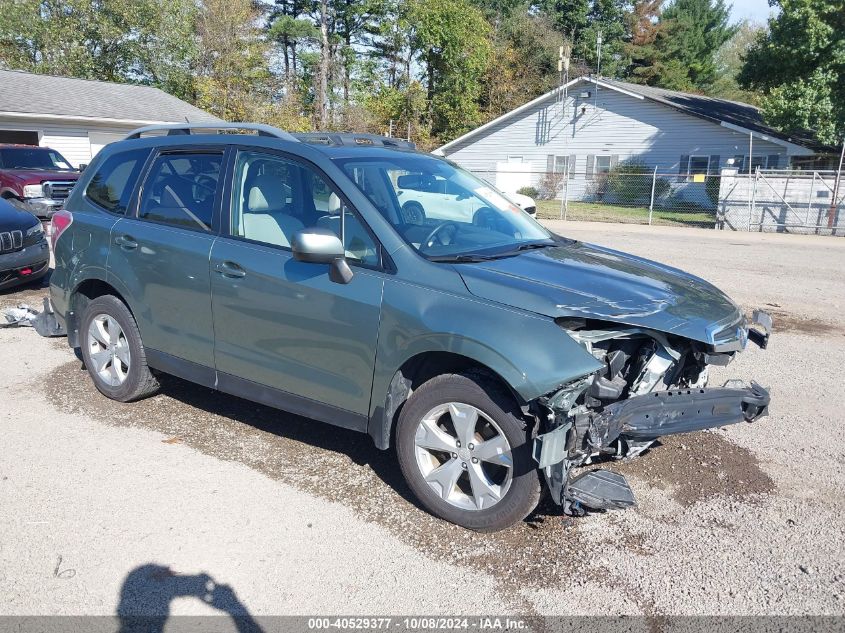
(60, 223)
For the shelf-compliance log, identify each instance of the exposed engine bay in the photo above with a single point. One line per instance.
(652, 384)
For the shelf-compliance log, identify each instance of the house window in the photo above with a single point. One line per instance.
(763, 162)
(698, 165)
(603, 164)
(560, 166)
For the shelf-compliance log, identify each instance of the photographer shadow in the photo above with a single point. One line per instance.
(149, 590)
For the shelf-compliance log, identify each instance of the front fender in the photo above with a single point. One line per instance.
(532, 354)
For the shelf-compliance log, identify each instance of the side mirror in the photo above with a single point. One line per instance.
(82, 167)
(321, 246)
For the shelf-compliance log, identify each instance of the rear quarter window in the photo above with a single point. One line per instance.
(111, 185)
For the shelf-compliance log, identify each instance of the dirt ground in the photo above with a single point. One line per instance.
(105, 505)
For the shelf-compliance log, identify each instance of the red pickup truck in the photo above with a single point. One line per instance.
(35, 179)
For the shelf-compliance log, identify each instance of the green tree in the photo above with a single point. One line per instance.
(148, 41)
(799, 66)
(291, 30)
(645, 27)
(451, 40)
(696, 29)
(581, 21)
(729, 63)
(232, 77)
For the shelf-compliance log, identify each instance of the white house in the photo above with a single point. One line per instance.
(586, 127)
(78, 117)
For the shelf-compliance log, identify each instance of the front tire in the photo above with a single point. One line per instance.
(112, 351)
(465, 452)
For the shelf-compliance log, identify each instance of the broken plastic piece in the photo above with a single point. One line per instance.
(44, 323)
(764, 321)
(601, 490)
(19, 316)
(550, 448)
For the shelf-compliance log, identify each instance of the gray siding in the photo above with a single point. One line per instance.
(614, 124)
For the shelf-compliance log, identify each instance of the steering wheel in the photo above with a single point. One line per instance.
(428, 242)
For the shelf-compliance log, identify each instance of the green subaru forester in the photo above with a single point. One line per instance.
(495, 356)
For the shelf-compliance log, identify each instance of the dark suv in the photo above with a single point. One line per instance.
(24, 254)
(494, 355)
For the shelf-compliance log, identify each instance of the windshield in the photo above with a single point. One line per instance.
(33, 158)
(442, 210)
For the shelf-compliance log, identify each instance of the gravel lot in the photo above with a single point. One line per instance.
(104, 504)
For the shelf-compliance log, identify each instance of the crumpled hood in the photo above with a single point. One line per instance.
(588, 281)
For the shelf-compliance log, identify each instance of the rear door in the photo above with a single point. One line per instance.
(285, 333)
(160, 255)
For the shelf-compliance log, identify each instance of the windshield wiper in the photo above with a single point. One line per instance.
(467, 258)
(532, 245)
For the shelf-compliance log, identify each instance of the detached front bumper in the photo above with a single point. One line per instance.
(39, 207)
(660, 413)
(635, 421)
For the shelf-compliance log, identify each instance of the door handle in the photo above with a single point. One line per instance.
(231, 270)
(124, 241)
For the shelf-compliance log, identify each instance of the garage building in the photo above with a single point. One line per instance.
(77, 117)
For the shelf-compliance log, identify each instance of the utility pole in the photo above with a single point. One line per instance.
(563, 68)
(831, 214)
(599, 40)
(750, 193)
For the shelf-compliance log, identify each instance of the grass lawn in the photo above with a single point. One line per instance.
(595, 212)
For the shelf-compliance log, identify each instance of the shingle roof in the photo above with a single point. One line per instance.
(29, 93)
(718, 110)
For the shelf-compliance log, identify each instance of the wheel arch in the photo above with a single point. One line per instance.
(415, 371)
(82, 294)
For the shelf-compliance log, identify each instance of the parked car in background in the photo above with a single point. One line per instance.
(425, 196)
(35, 179)
(524, 202)
(495, 356)
(24, 254)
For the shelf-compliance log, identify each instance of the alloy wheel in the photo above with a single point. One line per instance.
(463, 456)
(108, 350)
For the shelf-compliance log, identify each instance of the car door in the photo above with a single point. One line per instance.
(285, 334)
(160, 256)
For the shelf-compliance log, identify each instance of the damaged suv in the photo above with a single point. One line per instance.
(495, 357)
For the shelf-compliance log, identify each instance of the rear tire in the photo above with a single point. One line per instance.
(112, 351)
(478, 474)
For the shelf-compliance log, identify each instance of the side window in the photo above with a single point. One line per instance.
(180, 190)
(111, 185)
(273, 198)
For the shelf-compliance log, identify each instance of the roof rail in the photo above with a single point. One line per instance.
(350, 138)
(175, 129)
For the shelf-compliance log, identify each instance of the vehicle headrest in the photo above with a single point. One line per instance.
(266, 193)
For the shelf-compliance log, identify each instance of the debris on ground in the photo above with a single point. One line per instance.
(44, 322)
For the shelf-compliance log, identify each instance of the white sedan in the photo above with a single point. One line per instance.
(425, 197)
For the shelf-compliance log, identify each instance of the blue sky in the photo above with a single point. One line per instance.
(754, 10)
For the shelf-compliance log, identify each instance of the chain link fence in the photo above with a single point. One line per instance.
(765, 200)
